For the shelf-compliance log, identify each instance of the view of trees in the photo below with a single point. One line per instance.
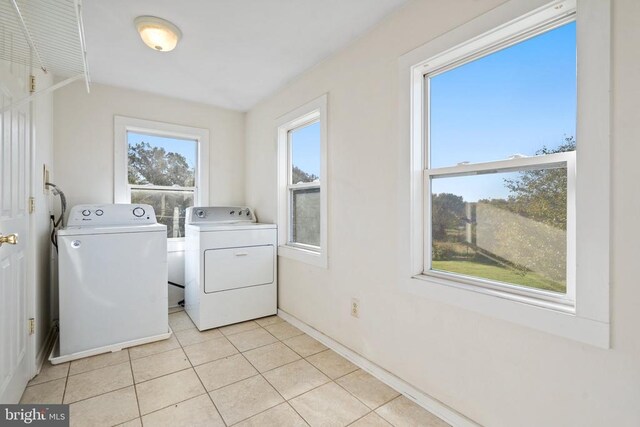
(447, 212)
(542, 194)
(519, 239)
(156, 166)
(298, 175)
(152, 166)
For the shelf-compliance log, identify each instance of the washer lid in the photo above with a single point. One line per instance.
(97, 229)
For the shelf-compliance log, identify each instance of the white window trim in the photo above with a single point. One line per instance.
(315, 110)
(589, 321)
(121, 190)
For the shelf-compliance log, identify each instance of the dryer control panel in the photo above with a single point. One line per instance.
(111, 215)
(220, 215)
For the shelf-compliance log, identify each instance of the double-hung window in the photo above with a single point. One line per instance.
(161, 165)
(500, 166)
(302, 183)
(508, 123)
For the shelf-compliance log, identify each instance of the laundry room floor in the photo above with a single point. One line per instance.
(257, 373)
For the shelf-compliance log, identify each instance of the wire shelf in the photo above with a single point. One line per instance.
(48, 34)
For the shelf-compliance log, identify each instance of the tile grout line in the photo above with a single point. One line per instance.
(46, 382)
(360, 400)
(260, 374)
(135, 387)
(99, 394)
(122, 388)
(152, 354)
(331, 380)
(160, 376)
(100, 367)
(174, 404)
(66, 382)
(264, 378)
(355, 421)
(288, 401)
(200, 379)
(256, 369)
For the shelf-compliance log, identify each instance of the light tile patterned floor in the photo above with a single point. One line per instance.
(257, 373)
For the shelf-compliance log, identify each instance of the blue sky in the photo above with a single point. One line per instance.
(305, 148)
(187, 148)
(514, 101)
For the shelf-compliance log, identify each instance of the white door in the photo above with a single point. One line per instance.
(15, 354)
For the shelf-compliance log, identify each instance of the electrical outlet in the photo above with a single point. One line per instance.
(355, 307)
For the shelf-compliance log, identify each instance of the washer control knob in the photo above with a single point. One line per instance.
(86, 212)
(200, 213)
(99, 212)
(138, 212)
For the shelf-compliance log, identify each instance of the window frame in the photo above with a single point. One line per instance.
(122, 188)
(587, 320)
(312, 112)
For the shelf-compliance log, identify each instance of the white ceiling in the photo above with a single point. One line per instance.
(233, 53)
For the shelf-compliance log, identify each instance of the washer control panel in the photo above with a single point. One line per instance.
(220, 215)
(111, 215)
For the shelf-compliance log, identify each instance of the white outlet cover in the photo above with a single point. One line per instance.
(355, 307)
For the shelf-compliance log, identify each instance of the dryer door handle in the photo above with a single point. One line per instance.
(242, 253)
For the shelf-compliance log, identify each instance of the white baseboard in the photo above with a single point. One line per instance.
(432, 405)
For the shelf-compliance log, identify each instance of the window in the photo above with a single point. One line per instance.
(304, 185)
(302, 188)
(162, 173)
(499, 121)
(499, 173)
(159, 164)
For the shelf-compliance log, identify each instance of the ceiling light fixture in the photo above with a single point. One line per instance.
(157, 33)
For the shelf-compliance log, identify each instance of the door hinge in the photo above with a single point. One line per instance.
(32, 205)
(32, 326)
(32, 83)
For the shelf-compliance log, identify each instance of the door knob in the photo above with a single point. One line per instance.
(10, 239)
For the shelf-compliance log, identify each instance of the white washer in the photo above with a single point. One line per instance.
(112, 280)
(230, 266)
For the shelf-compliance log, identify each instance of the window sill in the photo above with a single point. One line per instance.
(307, 256)
(521, 294)
(543, 316)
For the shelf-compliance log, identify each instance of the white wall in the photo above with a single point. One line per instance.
(42, 122)
(495, 372)
(83, 144)
(83, 139)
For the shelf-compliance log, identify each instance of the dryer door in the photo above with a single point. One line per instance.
(234, 268)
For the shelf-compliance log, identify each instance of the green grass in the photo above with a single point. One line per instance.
(493, 271)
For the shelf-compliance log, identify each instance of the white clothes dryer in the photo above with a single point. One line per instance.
(230, 266)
